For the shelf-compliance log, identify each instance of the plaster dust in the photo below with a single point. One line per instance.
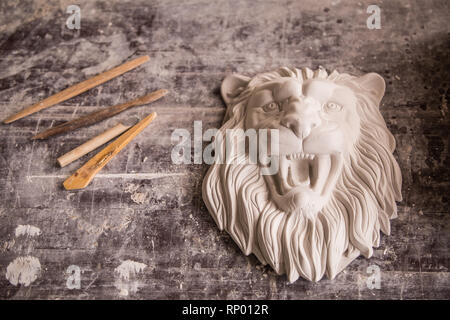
(131, 187)
(27, 230)
(139, 198)
(136, 197)
(127, 271)
(23, 270)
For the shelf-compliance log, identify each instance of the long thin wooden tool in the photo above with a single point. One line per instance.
(78, 88)
(97, 116)
(83, 176)
(91, 144)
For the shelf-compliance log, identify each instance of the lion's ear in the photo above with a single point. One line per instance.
(374, 83)
(230, 84)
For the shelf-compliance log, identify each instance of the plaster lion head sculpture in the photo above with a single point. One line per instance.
(337, 180)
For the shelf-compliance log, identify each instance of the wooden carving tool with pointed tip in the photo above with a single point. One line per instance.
(100, 115)
(78, 88)
(83, 176)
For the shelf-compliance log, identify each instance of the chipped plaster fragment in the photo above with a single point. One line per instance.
(23, 270)
(27, 230)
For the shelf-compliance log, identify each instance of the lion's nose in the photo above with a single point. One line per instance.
(302, 115)
(301, 125)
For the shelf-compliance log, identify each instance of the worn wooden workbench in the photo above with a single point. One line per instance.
(145, 209)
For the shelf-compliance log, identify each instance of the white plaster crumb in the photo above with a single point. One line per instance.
(27, 230)
(69, 196)
(23, 270)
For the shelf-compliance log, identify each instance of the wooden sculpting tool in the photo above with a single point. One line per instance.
(78, 88)
(92, 144)
(97, 116)
(83, 176)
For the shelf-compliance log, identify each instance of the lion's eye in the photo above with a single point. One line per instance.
(331, 106)
(270, 107)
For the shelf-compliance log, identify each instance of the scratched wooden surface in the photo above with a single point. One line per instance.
(142, 207)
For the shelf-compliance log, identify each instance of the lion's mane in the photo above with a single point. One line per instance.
(360, 206)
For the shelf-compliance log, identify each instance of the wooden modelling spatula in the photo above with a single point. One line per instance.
(83, 176)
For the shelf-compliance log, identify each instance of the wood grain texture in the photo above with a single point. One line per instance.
(143, 207)
(99, 115)
(78, 88)
(91, 144)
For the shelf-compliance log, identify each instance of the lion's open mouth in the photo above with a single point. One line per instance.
(307, 170)
(306, 177)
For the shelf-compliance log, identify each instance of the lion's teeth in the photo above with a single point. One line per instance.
(290, 178)
(300, 155)
(283, 173)
(317, 171)
(321, 170)
(337, 161)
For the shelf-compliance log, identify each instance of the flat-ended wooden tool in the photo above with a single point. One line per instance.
(100, 115)
(83, 176)
(78, 88)
(91, 144)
